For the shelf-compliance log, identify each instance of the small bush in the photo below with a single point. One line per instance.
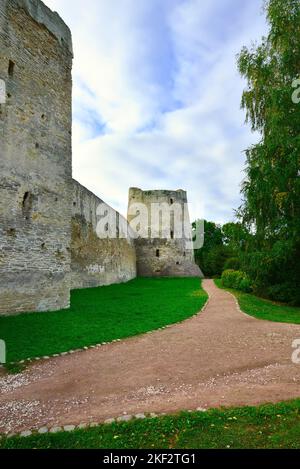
(285, 292)
(230, 278)
(236, 279)
(245, 285)
(275, 271)
(233, 263)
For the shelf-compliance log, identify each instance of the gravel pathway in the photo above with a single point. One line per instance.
(222, 357)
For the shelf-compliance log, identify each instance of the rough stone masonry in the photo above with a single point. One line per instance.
(36, 166)
(167, 255)
(48, 242)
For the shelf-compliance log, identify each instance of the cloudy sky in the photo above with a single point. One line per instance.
(156, 97)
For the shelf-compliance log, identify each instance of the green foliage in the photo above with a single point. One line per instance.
(271, 190)
(236, 279)
(14, 368)
(232, 263)
(223, 247)
(286, 292)
(274, 270)
(236, 237)
(266, 426)
(213, 261)
(211, 258)
(101, 315)
(231, 278)
(264, 309)
(246, 285)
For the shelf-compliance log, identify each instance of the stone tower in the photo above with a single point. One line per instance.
(163, 242)
(35, 164)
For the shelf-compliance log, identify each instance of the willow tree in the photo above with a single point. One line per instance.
(271, 189)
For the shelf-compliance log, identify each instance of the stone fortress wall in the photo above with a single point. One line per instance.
(48, 242)
(35, 157)
(163, 254)
(96, 261)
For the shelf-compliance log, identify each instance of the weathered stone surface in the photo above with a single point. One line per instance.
(69, 428)
(48, 222)
(43, 430)
(109, 421)
(51, 20)
(55, 429)
(162, 256)
(97, 261)
(26, 433)
(35, 145)
(82, 426)
(124, 418)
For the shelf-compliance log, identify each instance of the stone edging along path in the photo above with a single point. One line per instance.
(89, 347)
(109, 421)
(221, 357)
(84, 426)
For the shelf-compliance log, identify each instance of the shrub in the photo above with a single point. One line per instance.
(285, 292)
(233, 263)
(245, 285)
(212, 261)
(275, 272)
(236, 279)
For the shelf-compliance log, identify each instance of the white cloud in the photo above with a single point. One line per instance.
(156, 97)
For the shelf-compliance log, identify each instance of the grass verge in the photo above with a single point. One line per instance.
(267, 426)
(263, 309)
(101, 315)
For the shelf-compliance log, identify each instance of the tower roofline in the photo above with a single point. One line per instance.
(137, 189)
(43, 15)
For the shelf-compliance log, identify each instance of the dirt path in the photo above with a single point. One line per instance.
(220, 357)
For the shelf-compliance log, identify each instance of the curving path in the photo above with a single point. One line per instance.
(220, 357)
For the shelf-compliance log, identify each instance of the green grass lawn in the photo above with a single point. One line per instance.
(101, 315)
(268, 426)
(264, 309)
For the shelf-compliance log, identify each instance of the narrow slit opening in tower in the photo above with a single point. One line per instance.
(11, 67)
(171, 201)
(157, 253)
(172, 234)
(27, 204)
